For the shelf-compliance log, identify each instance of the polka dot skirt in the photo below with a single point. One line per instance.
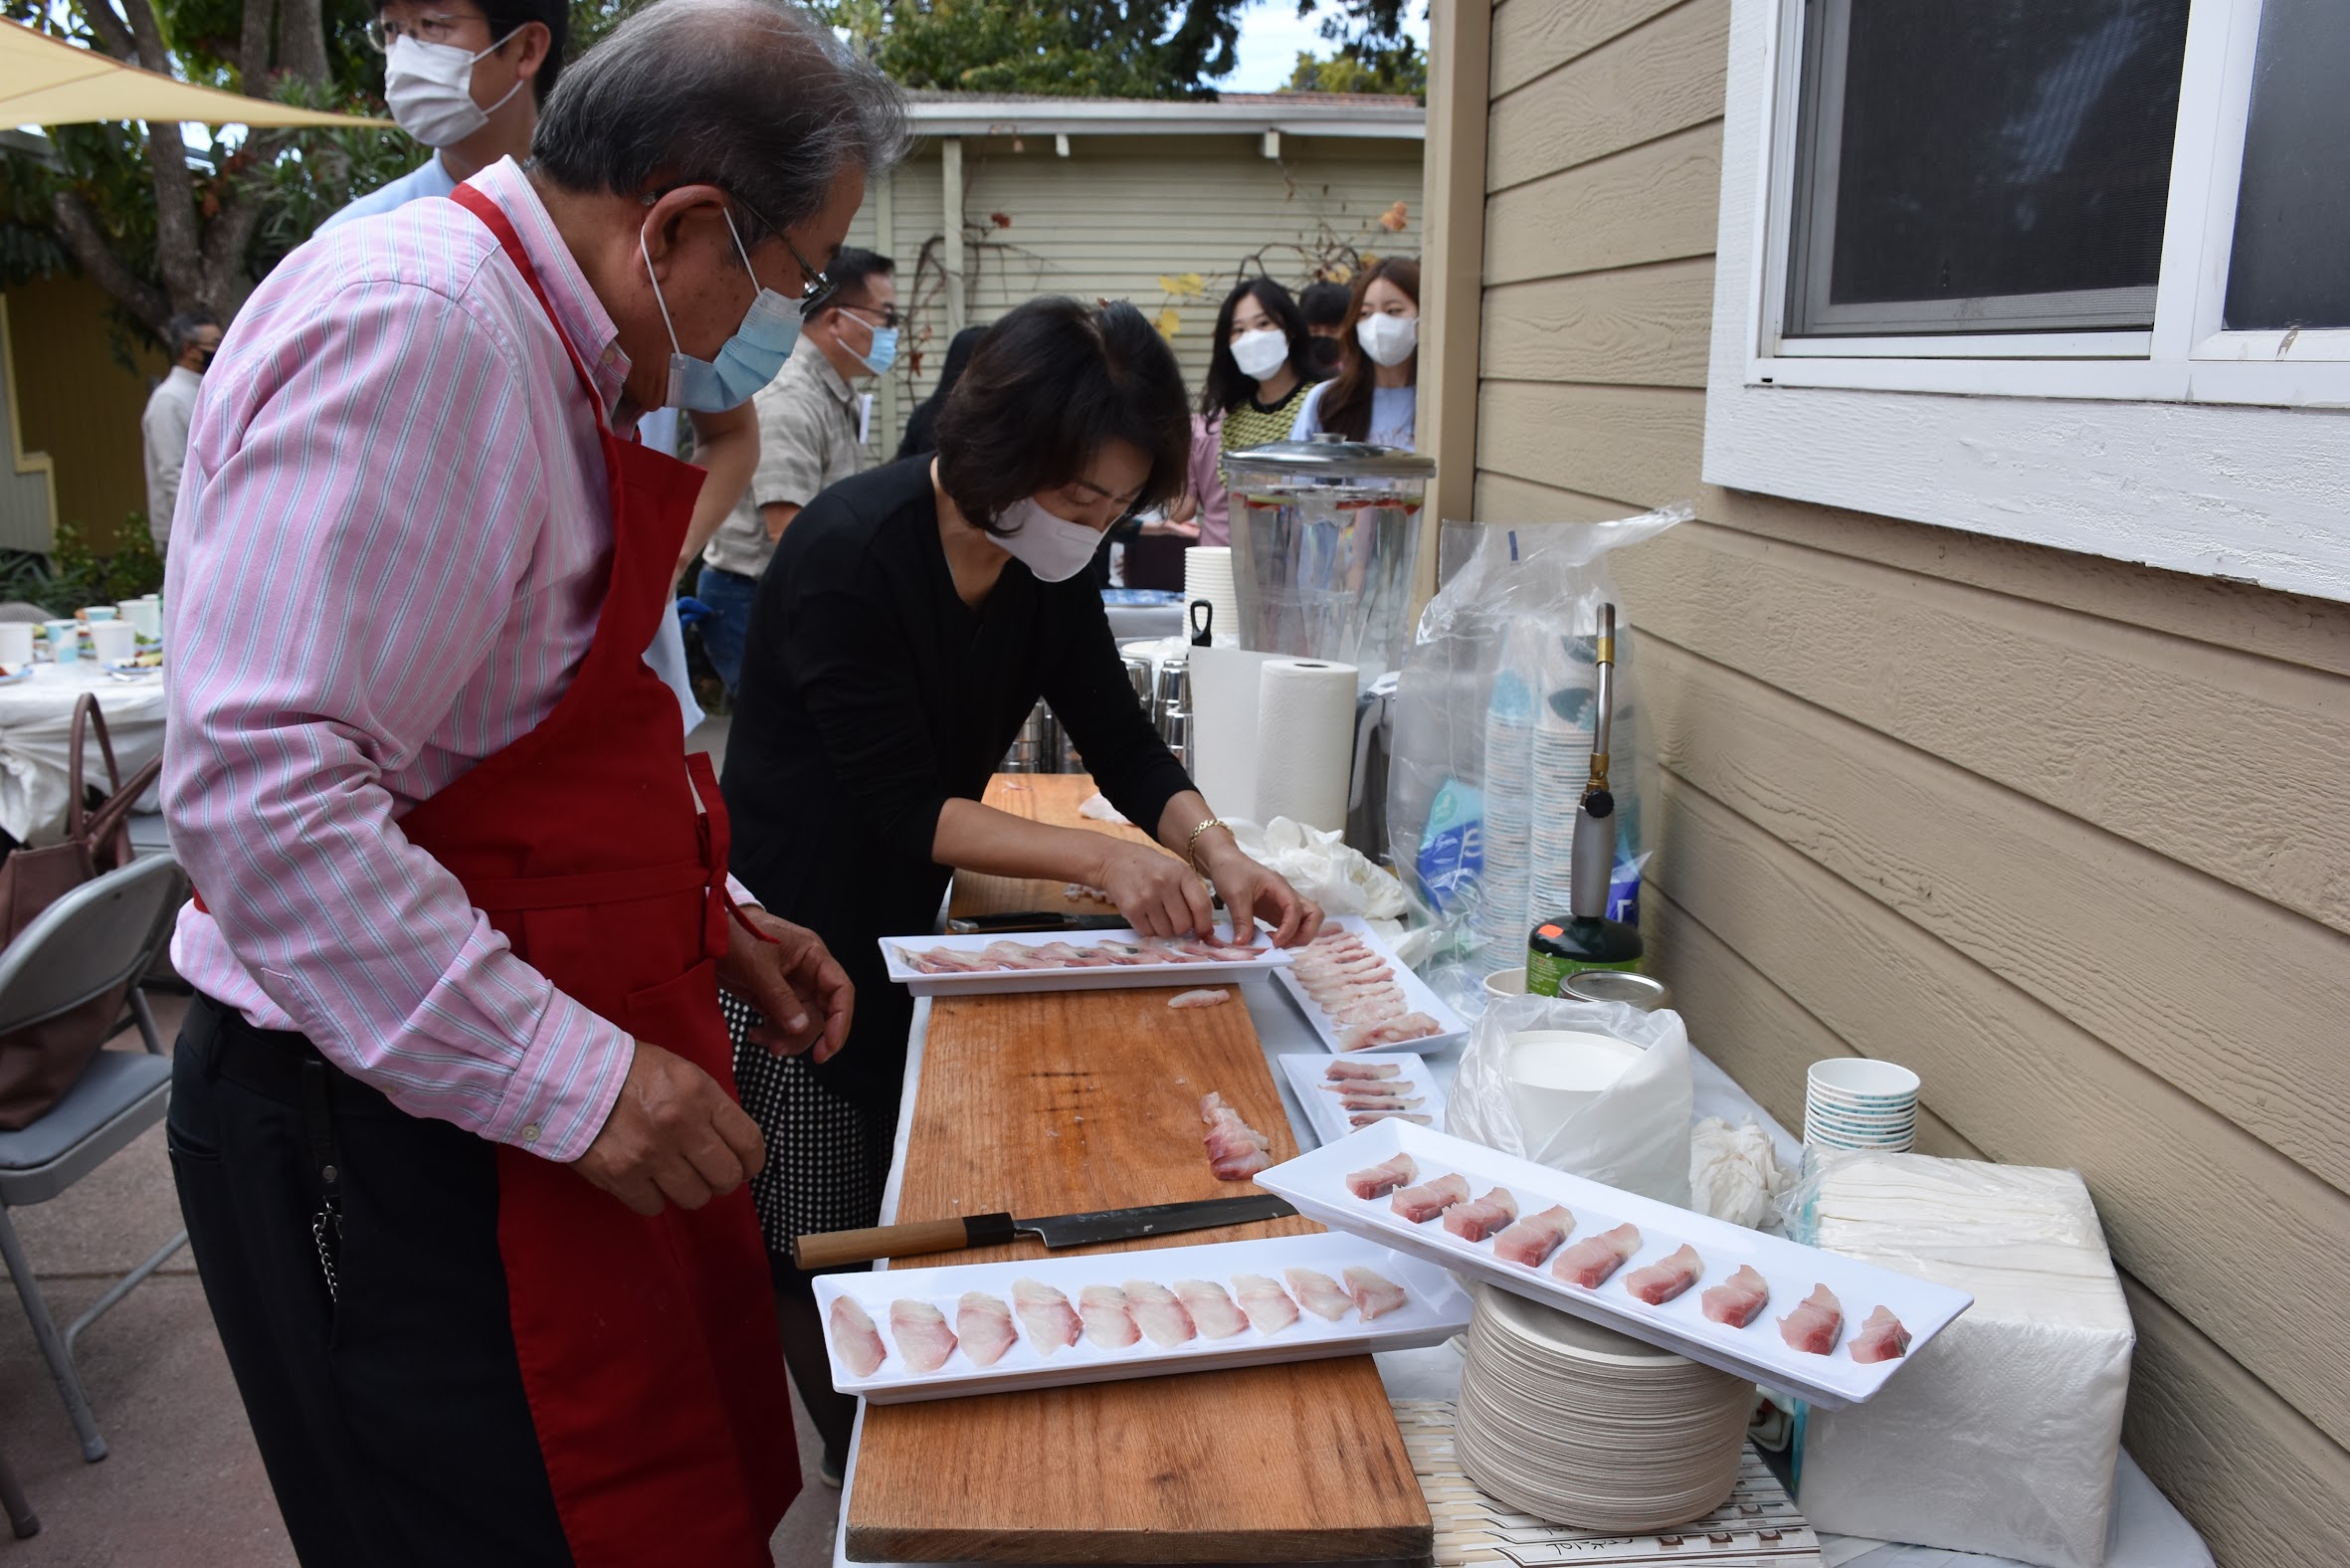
(827, 1157)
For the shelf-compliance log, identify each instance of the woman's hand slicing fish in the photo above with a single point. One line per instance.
(910, 620)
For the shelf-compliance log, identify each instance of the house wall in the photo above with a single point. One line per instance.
(79, 406)
(2069, 837)
(1116, 215)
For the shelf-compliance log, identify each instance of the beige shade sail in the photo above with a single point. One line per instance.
(46, 80)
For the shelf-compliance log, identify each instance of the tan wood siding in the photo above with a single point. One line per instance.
(2069, 837)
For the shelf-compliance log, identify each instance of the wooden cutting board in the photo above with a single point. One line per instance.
(1041, 797)
(1055, 1102)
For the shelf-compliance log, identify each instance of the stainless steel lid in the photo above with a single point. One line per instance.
(1328, 457)
(1618, 985)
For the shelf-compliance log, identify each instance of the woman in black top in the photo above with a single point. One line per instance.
(909, 621)
(921, 429)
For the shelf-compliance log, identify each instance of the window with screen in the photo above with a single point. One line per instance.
(1971, 166)
(2290, 264)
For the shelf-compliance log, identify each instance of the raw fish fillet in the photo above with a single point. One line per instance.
(1319, 1293)
(1815, 1323)
(1355, 1089)
(984, 1324)
(1377, 1009)
(854, 1338)
(1269, 1306)
(1235, 1150)
(1374, 1293)
(1052, 1324)
(1737, 1300)
(1380, 1101)
(1476, 1219)
(1071, 957)
(1016, 955)
(1394, 1032)
(1383, 1178)
(1157, 1312)
(943, 961)
(1341, 1071)
(1364, 1119)
(1108, 1323)
(1667, 1278)
(1594, 1258)
(1214, 996)
(921, 1334)
(1212, 1311)
(1424, 1203)
(1534, 1238)
(1881, 1338)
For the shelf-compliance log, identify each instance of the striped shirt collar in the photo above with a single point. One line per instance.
(577, 310)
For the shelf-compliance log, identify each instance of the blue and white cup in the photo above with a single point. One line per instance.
(65, 639)
(1853, 1102)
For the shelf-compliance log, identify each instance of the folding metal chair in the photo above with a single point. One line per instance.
(98, 936)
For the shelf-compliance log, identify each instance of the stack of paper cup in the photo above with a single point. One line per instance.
(1565, 725)
(1860, 1102)
(1207, 574)
(1503, 885)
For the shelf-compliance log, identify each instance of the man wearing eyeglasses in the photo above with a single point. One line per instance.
(811, 436)
(453, 1116)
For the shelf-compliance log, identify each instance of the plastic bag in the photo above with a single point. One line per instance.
(1492, 694)
(1321, 867)
(1635, 1136)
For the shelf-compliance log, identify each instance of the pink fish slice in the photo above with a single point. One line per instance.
(984, 1326)
(1319, 1293)
(1476, 1219)
(1214, 996)
(1374, 1293)
(1108, 1321)
(854, 1340)
(1534, 1238)
(1158, 1312)
(921, 1334)
(1661, 1281)
(1594, 1258)
(1421, 1204)
(1815, 1323)
(1269, 1306)
(1737, 1300)
(1362, 1072)
(1212, 1311)
(1383, 1178)
(1881, 1338)
(1052, 1324)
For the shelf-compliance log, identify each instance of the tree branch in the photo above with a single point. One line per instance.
(146, 31)
(252, 44)
(113, 38)
(78, 228)
(301, 41)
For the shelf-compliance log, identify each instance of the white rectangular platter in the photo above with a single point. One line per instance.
(1316, 1184)
(1308, 1075)
(1436, 1311)
(1417, 997)
(1107, 977)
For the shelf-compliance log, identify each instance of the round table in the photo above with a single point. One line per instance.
(36, 727)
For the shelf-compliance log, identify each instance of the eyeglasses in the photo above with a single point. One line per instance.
(431, 27)
(817, 289)
(887, 313)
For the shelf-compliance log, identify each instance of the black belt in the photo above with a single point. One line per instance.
(275, 1063)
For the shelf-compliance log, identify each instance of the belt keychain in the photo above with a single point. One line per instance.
(326, 1223)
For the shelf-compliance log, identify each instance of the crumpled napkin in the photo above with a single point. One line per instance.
(1734, 1173)
(1323, 866)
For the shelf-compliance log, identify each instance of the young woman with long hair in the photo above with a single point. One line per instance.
(1258, 376)
(1375, 395)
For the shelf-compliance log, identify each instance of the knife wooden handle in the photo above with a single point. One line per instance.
(830, 1249)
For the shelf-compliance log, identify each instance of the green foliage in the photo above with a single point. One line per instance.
(1152, 49)
(1402, 69)
(76, 575)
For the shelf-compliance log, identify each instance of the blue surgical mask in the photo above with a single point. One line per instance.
(746, 361)
(883, 352)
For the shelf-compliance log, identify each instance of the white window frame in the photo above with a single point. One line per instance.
(2185, 446)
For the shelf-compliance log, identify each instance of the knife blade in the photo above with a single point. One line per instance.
(828, 1249)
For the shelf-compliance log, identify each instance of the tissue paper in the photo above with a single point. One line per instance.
(1305, 741)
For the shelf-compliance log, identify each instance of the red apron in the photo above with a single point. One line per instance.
(647, 1347)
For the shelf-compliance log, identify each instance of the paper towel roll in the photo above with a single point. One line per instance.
(1224, 686)
(1305, 741)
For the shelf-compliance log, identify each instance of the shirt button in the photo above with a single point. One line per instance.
(530, 1132)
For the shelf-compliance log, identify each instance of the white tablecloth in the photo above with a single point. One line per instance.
(2147, 1532)
(36, 724)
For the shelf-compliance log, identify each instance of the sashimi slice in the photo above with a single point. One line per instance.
(1339, 1071)
(1667, 1278)
(1394, 1032)
(1381, 1101)
(921, 1334)
(1534, 1238)
(1370, 1009)
(1374, 1294)
(984, 1324)
(1737, 1300)
(1214, 996)
(1364, 1119)
(1269, 1306)
(1108, 1322)
(1016, 955)
(1158, 1312)
(1424, 1203)
(1052, 1324)
(1594, 1258)
(856, 1339)
(1381, 1178)
(1475, 1220)
(1815, 1323)
(1235, 1150)
(1881, 1338)
(1353, 1090)
(1212, 1311)
(1319, 1293)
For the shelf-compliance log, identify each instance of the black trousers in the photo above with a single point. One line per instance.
(390, 1412)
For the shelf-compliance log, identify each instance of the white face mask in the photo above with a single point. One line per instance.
(1261, 353)
(1388, 339)
(430, 88)
(1053, 548)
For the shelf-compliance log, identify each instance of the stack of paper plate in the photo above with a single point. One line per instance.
(1578, 1425)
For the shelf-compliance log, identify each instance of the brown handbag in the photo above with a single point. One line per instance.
(41, 1062)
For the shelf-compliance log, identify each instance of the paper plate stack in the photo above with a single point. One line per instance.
(1578, 1425)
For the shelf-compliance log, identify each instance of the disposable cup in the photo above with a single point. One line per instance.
(113, 640)
(94, 612)
(15, 645)
(1863, 1083)
(1824, 1140)
(1503, 984)
(64, 641)
(1555, 1073)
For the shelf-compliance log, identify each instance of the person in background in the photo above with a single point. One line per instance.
(466, 78)
(1259, 375)
(1375, 395)
(190, 339)
(1324, 305)
(452, 1120)
(811, 436)
(910, 620)
(920, 430)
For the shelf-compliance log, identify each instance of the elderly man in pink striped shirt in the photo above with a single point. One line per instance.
(453, 1115)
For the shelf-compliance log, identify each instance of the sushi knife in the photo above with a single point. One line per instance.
(826, 1248)
(1033, 920)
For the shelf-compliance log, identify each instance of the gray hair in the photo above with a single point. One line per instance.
(755, 96)
(180, 330)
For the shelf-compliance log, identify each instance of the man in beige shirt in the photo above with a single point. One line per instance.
(810, 436)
